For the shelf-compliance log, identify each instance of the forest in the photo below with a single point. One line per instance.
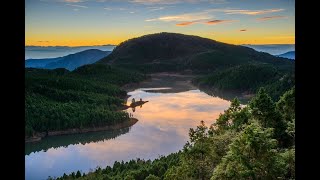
(249, 78)
(256, 141)
(89, 96)
(215, 64)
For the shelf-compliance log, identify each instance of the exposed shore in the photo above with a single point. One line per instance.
(184, 82)
(178, 82)
(38, 136)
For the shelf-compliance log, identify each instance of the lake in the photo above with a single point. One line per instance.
(163, 126)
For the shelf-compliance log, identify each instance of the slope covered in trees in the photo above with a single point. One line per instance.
(219, 65)
(188, 52)
(251, 142)
(248, 78)
(59, 99)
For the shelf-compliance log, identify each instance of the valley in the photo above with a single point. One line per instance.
(193, 98)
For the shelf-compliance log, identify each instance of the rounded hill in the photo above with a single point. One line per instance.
(173, 52)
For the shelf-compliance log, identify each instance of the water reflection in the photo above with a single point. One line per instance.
(228, 95)
(162, 128)
(72, 139)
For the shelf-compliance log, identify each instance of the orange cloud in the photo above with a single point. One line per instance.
(242, 30)
(213, 22)
(270, 18)
(185, 23)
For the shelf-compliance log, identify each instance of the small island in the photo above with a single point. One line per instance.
(134, 104)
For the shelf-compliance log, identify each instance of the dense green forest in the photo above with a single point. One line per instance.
(89, 96)
(215, 64)
(248, 78)
(256, 141)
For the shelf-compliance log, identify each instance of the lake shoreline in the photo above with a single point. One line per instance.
(177, 81)
(38, 136)
(183, 82)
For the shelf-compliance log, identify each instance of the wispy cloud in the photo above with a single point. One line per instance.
(110, 9)
(73, 1)
(251, 12)
(186, 23)
(156, 8)
(213, 22)
(207, 14)
(148, 2)
(242, 30)
(183, 17)
(206, 22)
(78, 6)
(270, 18)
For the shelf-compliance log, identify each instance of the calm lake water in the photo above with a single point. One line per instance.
(163, 127)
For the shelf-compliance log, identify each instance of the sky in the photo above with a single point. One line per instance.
(100, 22)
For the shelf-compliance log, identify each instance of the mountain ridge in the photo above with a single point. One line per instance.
(70, 61)
(289, 55)
(180, 52)
(216, 64)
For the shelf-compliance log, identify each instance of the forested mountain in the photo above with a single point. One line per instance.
(210, 60)
(59, 99)
(182, 52)
(70, 61)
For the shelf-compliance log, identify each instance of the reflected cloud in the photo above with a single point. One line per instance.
(163, 127)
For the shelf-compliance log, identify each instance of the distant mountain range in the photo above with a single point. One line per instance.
(70, 61)
(273, 49)
(289, 55)
(41, 52)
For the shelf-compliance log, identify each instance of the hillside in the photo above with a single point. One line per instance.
(217, 65)
(177, 52)
(289, 55)
(70, 61)
(60, 100)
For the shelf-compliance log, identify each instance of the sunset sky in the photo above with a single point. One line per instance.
(99, 22)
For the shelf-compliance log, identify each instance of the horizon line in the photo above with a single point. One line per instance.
(119, 43)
